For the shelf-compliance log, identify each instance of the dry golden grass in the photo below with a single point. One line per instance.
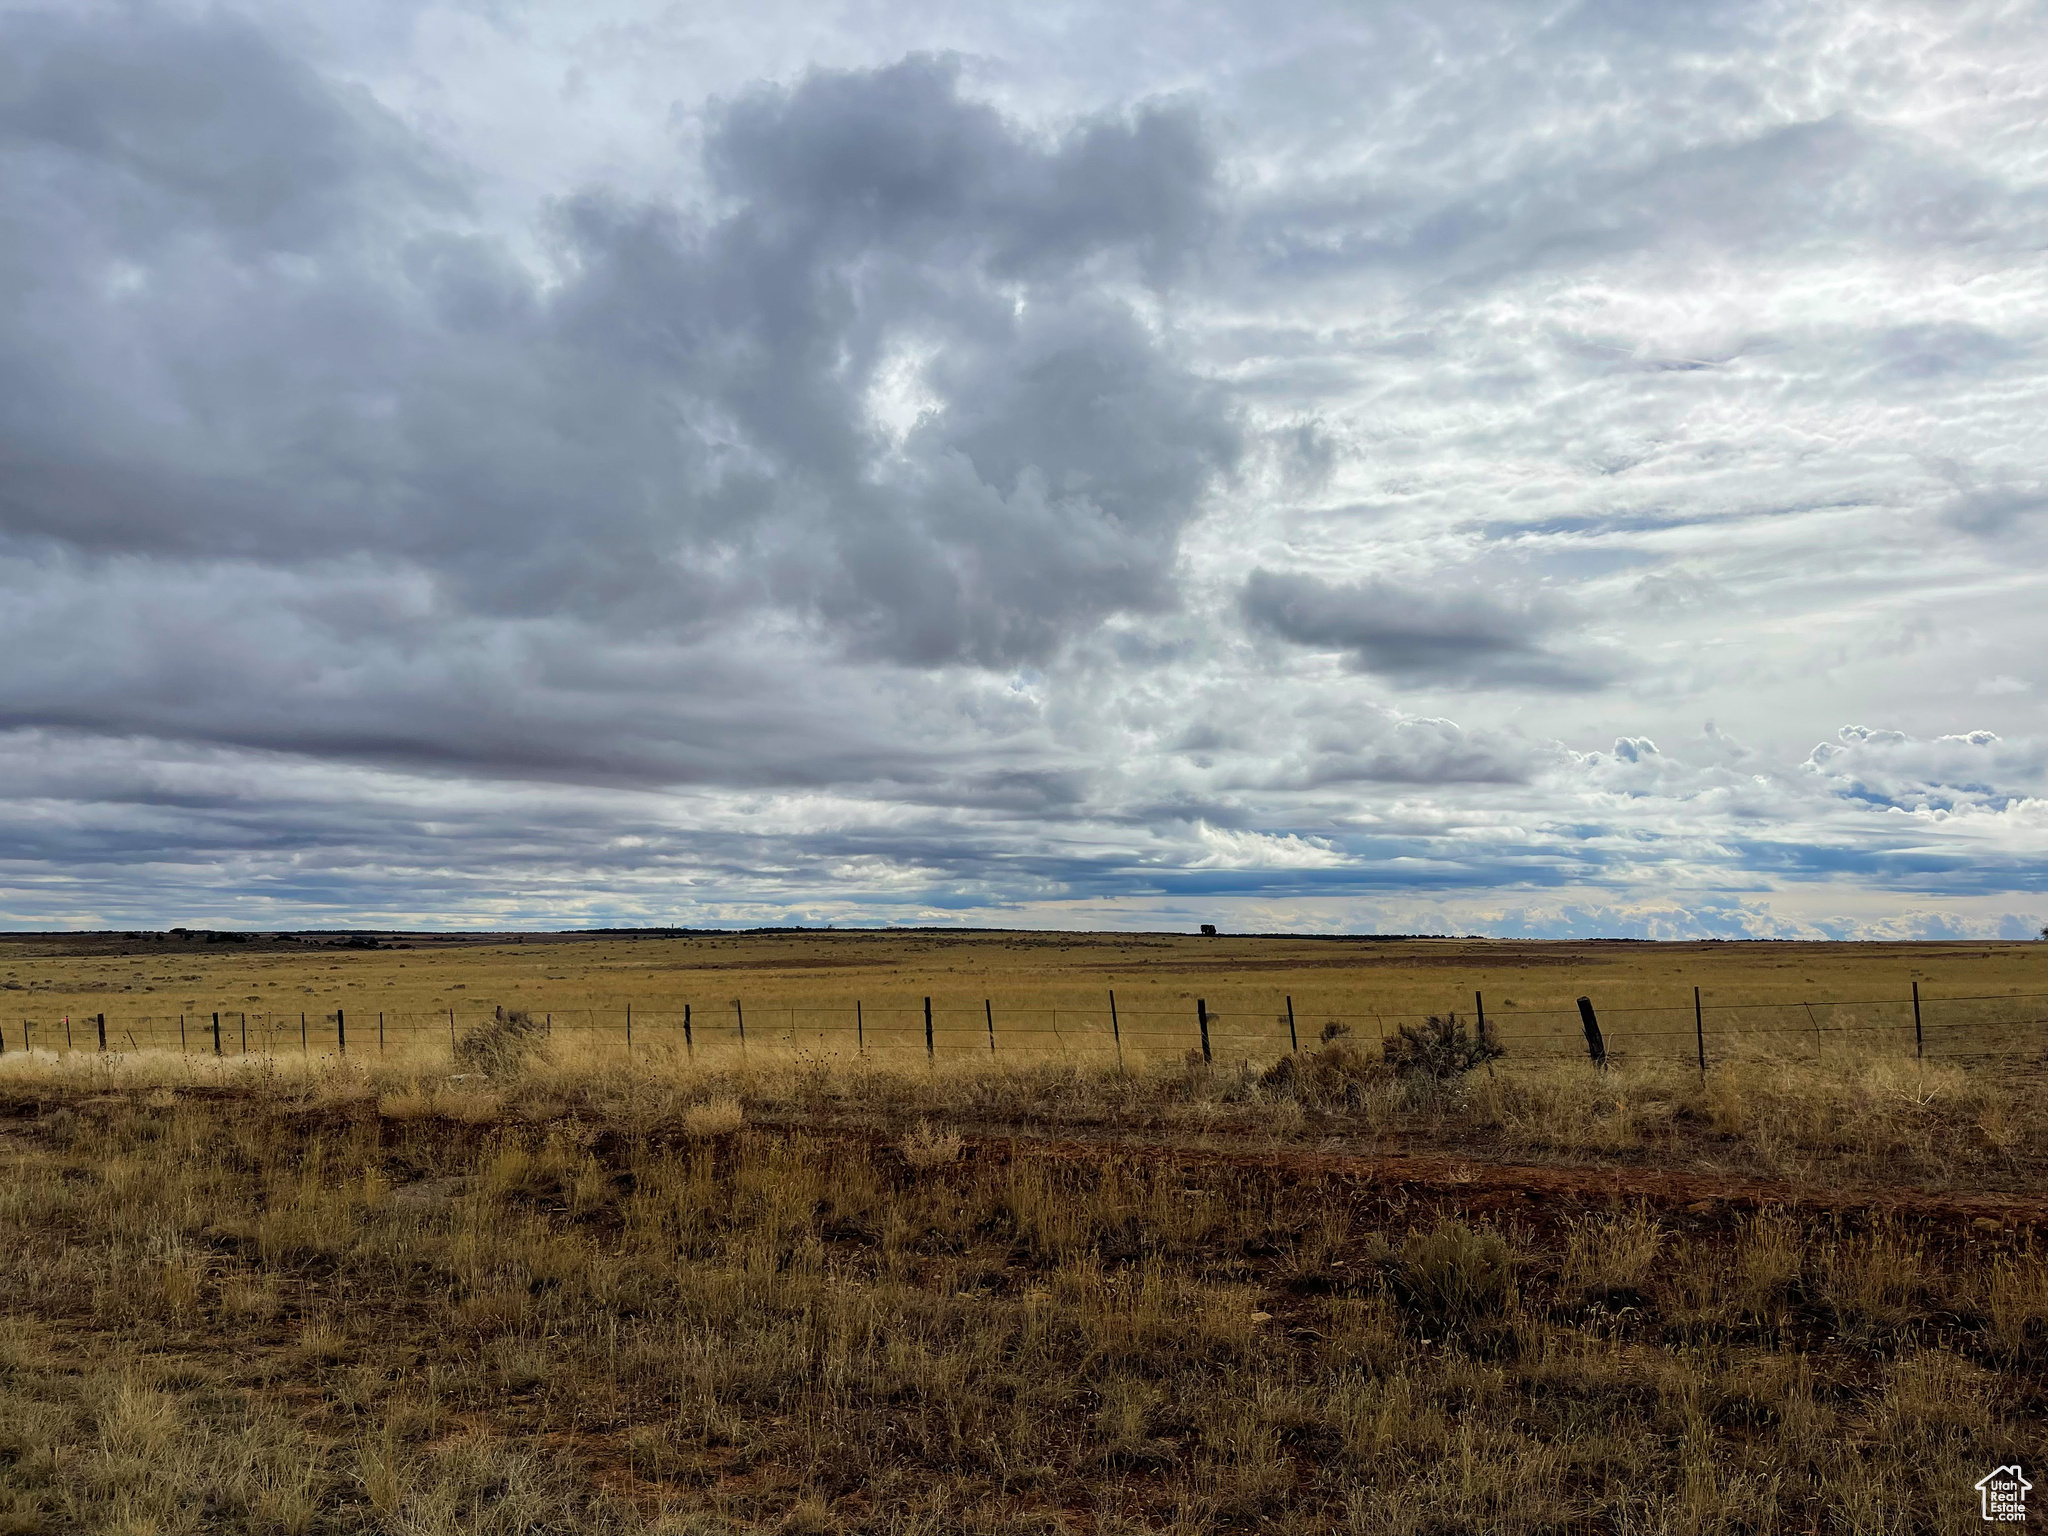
(1050, 992)
(348, 1300)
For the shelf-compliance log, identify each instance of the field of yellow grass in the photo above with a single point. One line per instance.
(548, 1290)
(1042, 993)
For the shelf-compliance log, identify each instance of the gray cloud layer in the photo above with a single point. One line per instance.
(929, 473)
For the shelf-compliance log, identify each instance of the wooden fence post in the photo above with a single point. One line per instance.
(1595, 1046)
(102, 1021)
(216, 1034)
(1293, 1039)
(304, 1048)
(931, 1053)
(245, 1034)
(341, 1031)
(689, 1043)
(1116, 1033)
(1202, 1014)
(182, 1050)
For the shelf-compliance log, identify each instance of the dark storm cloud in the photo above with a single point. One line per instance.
(261, 328)
(1456, 632)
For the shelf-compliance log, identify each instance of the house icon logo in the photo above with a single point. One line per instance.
(2005, 1495)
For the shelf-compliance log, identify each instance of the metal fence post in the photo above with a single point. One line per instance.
(689, 1042)
(931, 1053)
(989, 1009)
(1116, 1033)
(860, 1031)
(304, 1047)
(1919, 1045)
(380, 1031)
(1479, 1008)
(1699, 1032)
(741, 1014)
(1293, 1039)
(341, 1031)
(182, 1051)
(1202, 1014)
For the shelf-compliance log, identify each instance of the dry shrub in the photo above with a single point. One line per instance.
(1335, 1076)
(720, 1117)
(502, 1047)
(924, 1147)
(1439, 1051)
(1453, 1277)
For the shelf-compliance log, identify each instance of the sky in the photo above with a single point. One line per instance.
(1550, 470)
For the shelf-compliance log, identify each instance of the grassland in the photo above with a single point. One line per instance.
(549, 1288)
(1048, 994)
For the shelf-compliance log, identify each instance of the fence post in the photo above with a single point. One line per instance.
(102, 1021)
(1116, 1033)
(629, 1031)
(1479, 1008)
(216, 1034)
(245, 1033)
(741, 1014)
(1919, 1045)
(1293, 1039)
(1699, 1032)
(1595, 1046)
(341, 1031)
(380, 1031)
(989, 1009)
(304, 1048)
(182, 1050)
(860, 1031)
(689, 1041)
(931, 1053)
(1202, 1014)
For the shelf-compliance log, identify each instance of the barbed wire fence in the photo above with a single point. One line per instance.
(1968, 1028)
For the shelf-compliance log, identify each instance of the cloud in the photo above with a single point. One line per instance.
(1313, 469)
(1456, 632)
(296, 351)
